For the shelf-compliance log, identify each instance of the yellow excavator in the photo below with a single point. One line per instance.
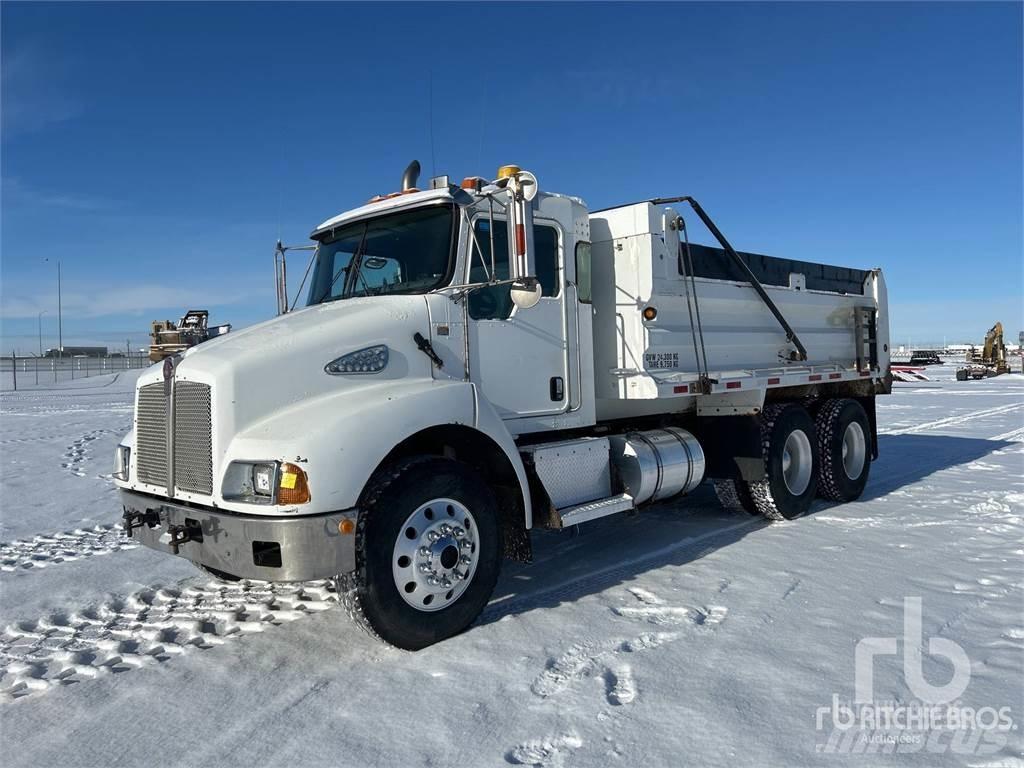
(990, 361)
(169, 339)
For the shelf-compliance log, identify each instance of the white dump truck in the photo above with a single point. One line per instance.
(479, 360)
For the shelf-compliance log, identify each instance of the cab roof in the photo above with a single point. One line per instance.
(406, 200)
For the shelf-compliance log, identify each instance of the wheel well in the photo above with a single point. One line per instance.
(473, 447)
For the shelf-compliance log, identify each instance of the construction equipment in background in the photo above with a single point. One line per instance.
(990, 361)
(171, 339)
(907, 373)
(925, 357)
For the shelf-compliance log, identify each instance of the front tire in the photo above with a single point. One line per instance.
(791, 463)
(428, 553)
(844, 449)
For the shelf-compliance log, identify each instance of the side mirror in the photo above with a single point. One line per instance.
(522, 187)
(525, 292)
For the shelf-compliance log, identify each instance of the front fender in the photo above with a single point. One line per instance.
(341, 438)
(489, 422)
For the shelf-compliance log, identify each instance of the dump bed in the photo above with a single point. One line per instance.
(705, 309)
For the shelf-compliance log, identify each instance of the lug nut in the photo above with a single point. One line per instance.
(467, 544)
(433, 536)
(446, 528)
(459, 533)
(425, 552)
(465, 560)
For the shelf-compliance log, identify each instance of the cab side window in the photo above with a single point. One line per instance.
(495, 302)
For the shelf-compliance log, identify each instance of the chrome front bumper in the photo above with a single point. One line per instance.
(247, 546)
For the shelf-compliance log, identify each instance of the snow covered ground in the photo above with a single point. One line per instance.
(681, 636)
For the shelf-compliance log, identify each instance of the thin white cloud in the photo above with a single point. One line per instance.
(125, 299)
(17, 194)
(33, 96)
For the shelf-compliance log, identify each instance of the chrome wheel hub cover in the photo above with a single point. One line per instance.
(435, 555)
(797, 462)
(855, 450)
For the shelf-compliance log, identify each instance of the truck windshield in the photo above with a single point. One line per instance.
(404, 252)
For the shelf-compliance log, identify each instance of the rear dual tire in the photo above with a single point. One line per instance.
(790, 462)
(735, 496)
(829, 456)
(844, 449)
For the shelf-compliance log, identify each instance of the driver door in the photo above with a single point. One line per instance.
(519, 357)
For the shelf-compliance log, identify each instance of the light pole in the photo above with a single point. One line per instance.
(41, 332)
(60, 323)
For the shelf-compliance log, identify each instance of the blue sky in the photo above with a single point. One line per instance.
(158, 150)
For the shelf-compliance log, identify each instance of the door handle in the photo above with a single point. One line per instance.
(557, 389)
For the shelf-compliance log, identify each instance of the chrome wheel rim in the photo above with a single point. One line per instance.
(435, 555)
(855, 450)
(797, 462)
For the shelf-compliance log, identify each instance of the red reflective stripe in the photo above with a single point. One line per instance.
(520, 239)
(682, 389)
(835, 375)
(733, 385)
(774, 380)
(814, 377)
(865, 373)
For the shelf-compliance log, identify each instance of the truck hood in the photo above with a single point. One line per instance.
(263, 369)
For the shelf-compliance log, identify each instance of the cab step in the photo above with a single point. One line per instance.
(592, 510)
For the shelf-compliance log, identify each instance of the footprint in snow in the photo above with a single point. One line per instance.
(548, 752)
(79, 452)
(589, 659)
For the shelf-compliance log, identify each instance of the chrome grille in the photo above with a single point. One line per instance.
(193, 447)
(151, 435)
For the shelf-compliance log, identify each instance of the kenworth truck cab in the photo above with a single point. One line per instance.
(476, 361)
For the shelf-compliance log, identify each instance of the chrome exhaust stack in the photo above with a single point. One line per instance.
(411, 176)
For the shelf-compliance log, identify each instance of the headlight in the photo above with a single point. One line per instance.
(265, 482)
(122, 462)
(370, 360)
(263, 479)
(249, 481)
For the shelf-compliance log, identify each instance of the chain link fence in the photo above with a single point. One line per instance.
(18, 373)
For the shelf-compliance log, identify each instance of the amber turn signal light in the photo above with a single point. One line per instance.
(650, 313)
(293, 487)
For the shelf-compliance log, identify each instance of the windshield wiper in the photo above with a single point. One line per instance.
(344, 270)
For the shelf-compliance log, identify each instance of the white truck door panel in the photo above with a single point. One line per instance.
(519, 357)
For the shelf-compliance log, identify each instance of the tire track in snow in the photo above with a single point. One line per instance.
(148, 627)
(1013, 436)
(950, 421)
(38, 438)
(42, 551)
(603, 578)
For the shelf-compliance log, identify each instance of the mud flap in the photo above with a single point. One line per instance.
(732, 447)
